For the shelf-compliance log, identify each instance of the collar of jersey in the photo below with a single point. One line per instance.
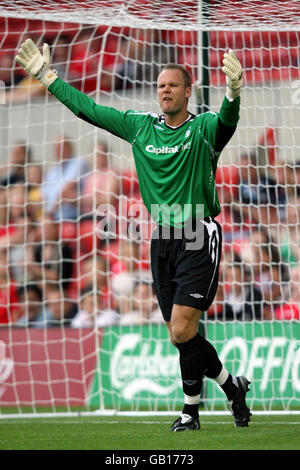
(162, 119)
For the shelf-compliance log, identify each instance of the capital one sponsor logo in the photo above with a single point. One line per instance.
(6, 367)
(166, 150)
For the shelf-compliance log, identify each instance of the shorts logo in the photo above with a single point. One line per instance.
(197, 296)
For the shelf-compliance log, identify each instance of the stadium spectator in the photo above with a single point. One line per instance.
(296, 171)
(270, 273)
(285, 177)
(89, 315)
(34, 180)
(127, 259)
(61, 49)
(257, 193)
(288, 234)
(290, 310)
(14, 170)
(50, 260)
(32, 310)
(9, 310)
(18, 230)
(12, 204)
(243, 300)
(9, 74)
(145, 306)
(122, 290)
(126, 268)
(15, 224)
(60, 310)
(94, 271)
(227, 179)
(100, 185)
(21, 242)
(61, 187)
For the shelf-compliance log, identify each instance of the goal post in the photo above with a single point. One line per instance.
(80, 328)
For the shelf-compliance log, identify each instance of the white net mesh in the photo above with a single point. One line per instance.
(172, 14)
(80, 323)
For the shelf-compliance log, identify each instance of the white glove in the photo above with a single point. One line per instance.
(233, 71)
(36, 64)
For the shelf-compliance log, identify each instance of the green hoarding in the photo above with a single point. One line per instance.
(267, 353)
(139, 368)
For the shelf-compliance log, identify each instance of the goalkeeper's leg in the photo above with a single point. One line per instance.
(185, 282)
(197, 358)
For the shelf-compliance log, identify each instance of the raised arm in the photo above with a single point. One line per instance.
(38, 66)
(229, 113)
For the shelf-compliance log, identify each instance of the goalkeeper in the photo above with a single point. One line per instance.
(176, 155)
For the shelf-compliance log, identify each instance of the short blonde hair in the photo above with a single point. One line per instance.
(185, 74)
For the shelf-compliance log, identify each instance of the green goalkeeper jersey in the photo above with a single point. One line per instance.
(176, 167)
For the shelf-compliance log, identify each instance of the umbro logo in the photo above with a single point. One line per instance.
(197, 296)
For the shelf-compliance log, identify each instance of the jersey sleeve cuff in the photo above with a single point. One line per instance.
(229, 113)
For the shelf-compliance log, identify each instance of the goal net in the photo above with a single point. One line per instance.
(80, 327)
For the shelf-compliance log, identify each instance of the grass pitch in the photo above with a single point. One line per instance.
(265, 432)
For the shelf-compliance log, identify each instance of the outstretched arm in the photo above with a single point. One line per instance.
(227, 121)
(38, 65)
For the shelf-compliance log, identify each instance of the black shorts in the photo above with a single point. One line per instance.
(186, 276)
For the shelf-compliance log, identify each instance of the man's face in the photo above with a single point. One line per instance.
(62, 149)
(18, 155)
(172, 93)
(31, 305)
(143, 298)
(101, 155)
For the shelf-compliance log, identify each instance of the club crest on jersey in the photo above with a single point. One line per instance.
(188, 133)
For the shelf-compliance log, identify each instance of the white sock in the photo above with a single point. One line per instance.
(222, 377)
(191, 400)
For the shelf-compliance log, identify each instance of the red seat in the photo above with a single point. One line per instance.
(221, 39)
(186, 38)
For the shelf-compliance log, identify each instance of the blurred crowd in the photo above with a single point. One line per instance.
(63, 262)
(106, 59)
(92, 59)
(59, 259)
